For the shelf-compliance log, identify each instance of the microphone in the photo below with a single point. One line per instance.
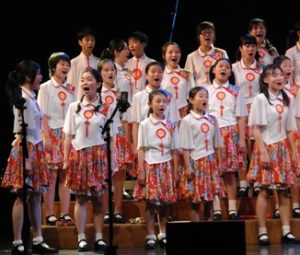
(123, 103)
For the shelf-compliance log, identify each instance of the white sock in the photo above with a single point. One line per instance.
(243, 184)
(161, 236)
(152, 238)
(17, 242)
(232, 205)
(98, 236)
(81, 236)
(286, 229)
(262, 230)
(217, 204)
(277, 206)
(37, 240)
(296, 205)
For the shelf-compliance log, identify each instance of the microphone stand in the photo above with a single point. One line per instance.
(122, 106)
(173, 21)
(19, 103)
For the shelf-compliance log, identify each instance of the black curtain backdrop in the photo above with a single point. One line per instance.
(34, 32)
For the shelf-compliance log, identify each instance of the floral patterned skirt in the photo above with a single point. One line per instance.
(160, 185)
(280, 174)
(88, 171)
(232, 158)
(38, 174)
(206, 183)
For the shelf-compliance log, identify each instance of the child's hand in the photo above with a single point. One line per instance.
(177, 177)
(190, 174)
(265, 160)
(242, 145)
(141, 177)
(65, 164)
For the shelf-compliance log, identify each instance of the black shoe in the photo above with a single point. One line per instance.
(163, 242)
(263, 241)
(217, 216)
(243, 192)
(118, 218)
(100, 245)
(296, 213)
(106, 218)
(51, 220)
(18, 250)
(150, 244)
(276, 214)
(43, 248)
(233, 215)
(289, 239)
(82, 245)
(126, 195)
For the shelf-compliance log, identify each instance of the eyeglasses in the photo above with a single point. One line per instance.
(207, 32)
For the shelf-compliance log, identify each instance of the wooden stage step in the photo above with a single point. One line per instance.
(130, 235)
(133, 235)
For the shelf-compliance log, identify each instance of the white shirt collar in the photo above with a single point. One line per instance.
(217, 86)
(156, 121)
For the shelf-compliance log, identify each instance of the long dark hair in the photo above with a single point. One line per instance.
(97, 77)
(292, 37)
(192, 93)
(212, 76)
(25, 71)
(263, 86)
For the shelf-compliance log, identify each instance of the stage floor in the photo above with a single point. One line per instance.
(275, 249)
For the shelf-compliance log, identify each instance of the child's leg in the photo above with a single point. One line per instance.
(150, 220)
(276, 213)
(295, 199)
(195, 215)
(119, 179)
(80, 214)
(284, 202)
(98, 223)
(35, 213)
(64, 193)
(18, 218)
(230, 182)
(261, 212)
(49, 199)
(163, 214)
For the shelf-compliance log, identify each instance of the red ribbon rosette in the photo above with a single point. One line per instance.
(62, 97)
(221, 95)
(250, 77)
(207, 64)
(175, 80)
(87, 114)
(279, 108)
(205, 129)
(161, 133)
(109, 100)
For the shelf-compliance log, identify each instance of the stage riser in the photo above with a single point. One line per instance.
(180, 210)
(133, 235)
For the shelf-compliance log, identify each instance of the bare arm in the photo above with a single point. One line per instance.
(135, 128)
(186, 158)
(46, 137)
(175, 161)
(293, 145)
(264, 156)
(242, 127)
(67, 149)
(141, 172)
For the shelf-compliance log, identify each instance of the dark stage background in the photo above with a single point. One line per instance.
(34, 32)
